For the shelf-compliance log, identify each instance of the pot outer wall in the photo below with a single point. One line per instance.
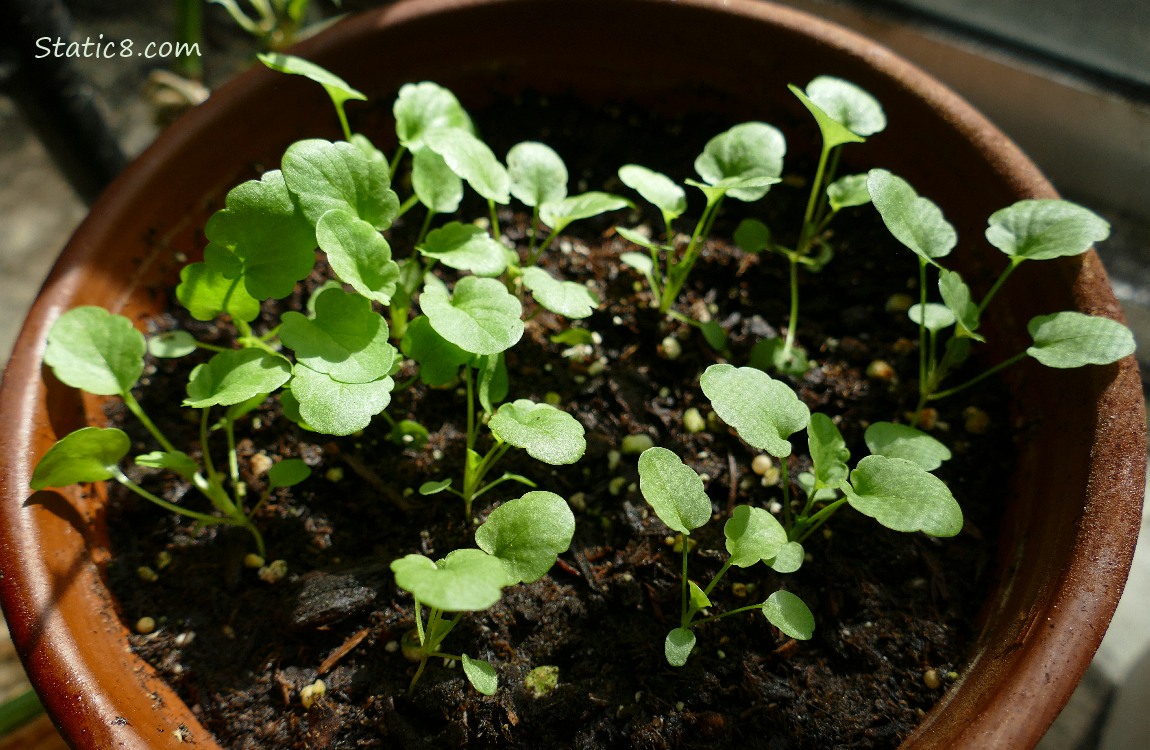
(1073, 507)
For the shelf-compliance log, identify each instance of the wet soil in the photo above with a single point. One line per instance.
(894, 612)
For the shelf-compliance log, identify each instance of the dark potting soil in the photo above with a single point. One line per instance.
(894, 611)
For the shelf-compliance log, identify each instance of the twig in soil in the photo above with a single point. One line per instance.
(344, 649)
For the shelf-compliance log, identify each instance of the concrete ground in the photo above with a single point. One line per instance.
(38, 211)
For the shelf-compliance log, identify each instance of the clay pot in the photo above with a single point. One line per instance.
(1072, 516)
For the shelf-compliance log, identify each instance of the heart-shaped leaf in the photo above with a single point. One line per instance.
(359, 255)
(481, 318)
(172, 345)
(673, 490)
(913, 220)
(566, 298)
(467, 580)
(94, 350)
(528, 534)
(789, 614)
(207, 293)
(336, 408)
(753, 535)
(763, 411)
(90, 454)
(848, 191)
(903, 496)
(346, 340)
(326, 176)
(288, 473)
(231, 377)
(1073, 339)
(1045, 229)
(902, 441)
(752, 236)
(748, 150)
(426, 106)
(466, 247)
(546, 433)
(789, 558)
(538, 174)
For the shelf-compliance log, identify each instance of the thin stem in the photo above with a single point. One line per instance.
(407, 205)
(817, 520)
(807, 232)
(923, 384)
(494, 219)
(788, 512)
(718, 576)
(189, 30)
(123, 479)
(1014, 263)
(399, 152)
(424, 228)
(134, 407)
(677, 272)
(683, 621)
(233, 457)
(793, 322)
(978, 378)
(712, 618)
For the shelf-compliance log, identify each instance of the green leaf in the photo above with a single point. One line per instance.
(558, 214)
(847, 104)
(752, 236)
(789, 614)
(467, 580)
(94, 350)
(751, 149)
(436, 186)
(288, 473)
(326, 176)
(471, 159)
(956, 296)
(1045, 229)
(770, 355)
(573, 337)
(698, 597)
(753, 535)
(528, 534)
(678, 646)
(408, 433)
(673, 490)
(828, 452)
(422, 107)
(176, 461)
(903, 496)
(764, 412)
(657, 189)
(1073, 339)
(172, 344)
(269, 241)
(482, 317)
(538, 174)
(90, 454)
(914, 221)
(434, 488)
(638, 261)
(234, 376)
(546, 433)
(834, 133)
(493, 382)
(207, 293)
(933, 316)
(566, 298)
(480, 674)
(439, 359)
(789, 559)
(347, 340)
(466, 247)
(902, 441)
(336, 408)
(850, 190)
(337, 88)
(359, 255)
(713, 334)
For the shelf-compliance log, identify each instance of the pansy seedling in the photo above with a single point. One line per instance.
(546, 433)
(337, 88)
(481, 317)
(763, 411)
(903, 496)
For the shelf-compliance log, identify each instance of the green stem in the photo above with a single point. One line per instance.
(712, 618)
(494, 219)
(134, 407)
(788, 512)
(677, 272)
(1014, 263)
(411, 202)
(683, 621)
(399, 152)
(189, 31)
(123, 479)
(233, 457)
(978, 378)
(793, 322)
(18, 711)
(718, 576)
(923, 384)
(807, 232)
(424, 228)
(817, 520)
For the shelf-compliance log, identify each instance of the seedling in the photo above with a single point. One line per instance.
(845, 114)
(1026, 230)
(676, 494)
(518, 543)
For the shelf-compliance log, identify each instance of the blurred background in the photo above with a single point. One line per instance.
(1068, 80)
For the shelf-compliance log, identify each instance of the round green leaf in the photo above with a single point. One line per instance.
(288, 473)
(847, 104)
(751, 149)
(359, 255)
(789, 559)
(678, 646)
(902, 441)
(466, 247)
(546, 433)
(231, 377)
(566, 298)
(421, 107)
(914, 221)
(538, 174)
(903, 496)
(346, 340)
(753, 535)
(763, 411)
(752, 236)
(336, 408)
(528, 534)
(207, 293)
(481, 675)
(673, 490)
(1073, 339)
(90, 454)
(326, 176)
(481, 318)
(656, 188)
(436, 186)
(172, 344)
(848, 191)
(934, 317)
(92, 349)
(471, 159)
(789, 614)
(467, 580)
(558, 214)
(1045, 229)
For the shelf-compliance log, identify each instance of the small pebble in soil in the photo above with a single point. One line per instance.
(146, 574)
(670, 348)
(898, 303)
(260, 463)
(928, 418)
(693, 421)
(146, 625)
(163, 559)
(636, 444)
(975, 420)
(931, 679)
(275, 572)
(881, 370)
(761, 464)
(616, 485)
(739, 590)
(309, 694)
(613, 457)
(391, 647)
(334, 474)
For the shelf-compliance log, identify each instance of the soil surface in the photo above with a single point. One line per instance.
(894, 611)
